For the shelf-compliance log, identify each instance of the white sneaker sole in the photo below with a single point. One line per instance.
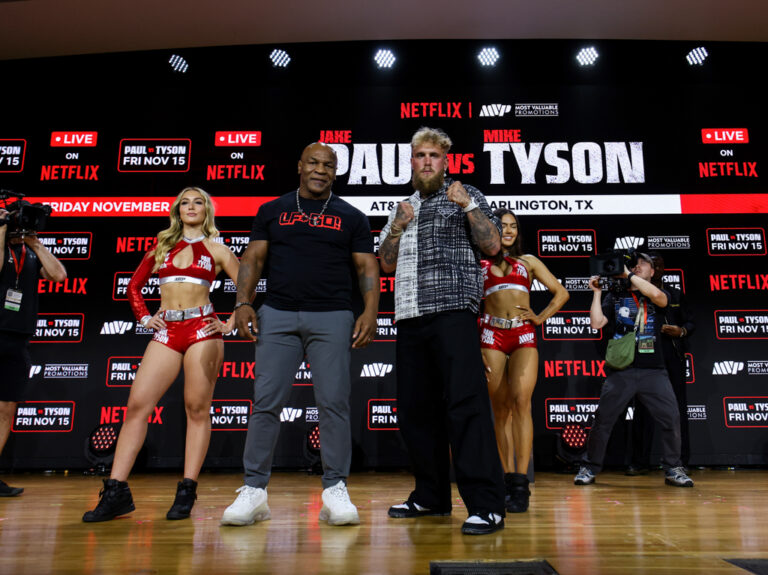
(262, 514)
(345, 519)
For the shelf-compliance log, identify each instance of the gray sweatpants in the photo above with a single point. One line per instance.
(284, 338)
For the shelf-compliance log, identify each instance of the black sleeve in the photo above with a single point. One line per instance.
(609, 311)
(260, 228)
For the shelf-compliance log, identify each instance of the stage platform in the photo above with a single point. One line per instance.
(620, 525)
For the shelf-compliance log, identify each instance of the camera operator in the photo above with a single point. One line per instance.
(22, 260)
(678, 325)
(637, 306)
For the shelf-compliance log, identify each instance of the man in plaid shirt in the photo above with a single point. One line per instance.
(433, 242)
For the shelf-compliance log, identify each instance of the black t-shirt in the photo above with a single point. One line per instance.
(309, 267)
(621, 309)
(22, 321)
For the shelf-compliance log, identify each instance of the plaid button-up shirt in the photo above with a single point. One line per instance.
(438, 264)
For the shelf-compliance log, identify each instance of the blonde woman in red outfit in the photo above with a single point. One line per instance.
(508, 344)
(187, 334)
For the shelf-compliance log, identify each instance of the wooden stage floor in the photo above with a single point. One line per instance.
(619, 525)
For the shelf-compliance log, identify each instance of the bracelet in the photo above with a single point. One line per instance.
(145, 320)
(683, 332)
(241, 304)
(395, 233)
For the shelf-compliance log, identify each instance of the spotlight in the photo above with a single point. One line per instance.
(697, 56)
(100, 448)
(312, 450)
(574, 436)
(384, 58)
(488, 56)
(178, 64)
(313, 439)
(587, 56)
(280, 58)
(571, 445)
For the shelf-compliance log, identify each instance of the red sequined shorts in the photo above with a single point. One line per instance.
(507, 340)
(180, 335)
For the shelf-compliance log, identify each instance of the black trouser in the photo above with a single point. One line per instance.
(15, 362)
(653, 389)
(442, 400)
(642, 422)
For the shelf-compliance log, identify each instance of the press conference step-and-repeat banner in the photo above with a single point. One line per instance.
(639, 151)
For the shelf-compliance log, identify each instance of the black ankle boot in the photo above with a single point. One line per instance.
(517, 492)
(186, 493)
(114, 499)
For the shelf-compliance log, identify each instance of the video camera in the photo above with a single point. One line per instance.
(24, 218)
(610, 265)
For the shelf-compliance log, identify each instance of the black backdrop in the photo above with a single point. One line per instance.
(640, 150)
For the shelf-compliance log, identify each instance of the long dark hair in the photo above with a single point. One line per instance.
(516, 249)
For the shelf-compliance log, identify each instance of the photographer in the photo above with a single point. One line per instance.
(22, 260)
(635, 310)
(677, 326)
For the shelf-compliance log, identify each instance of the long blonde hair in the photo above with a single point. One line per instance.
(170, 236)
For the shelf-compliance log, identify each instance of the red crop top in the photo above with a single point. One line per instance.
(202, 272)
(516, 279)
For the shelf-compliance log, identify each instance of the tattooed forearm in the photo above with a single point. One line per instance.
(388, 252)
(251, 266)
(243, 281)
(484, 233)
(366, 283)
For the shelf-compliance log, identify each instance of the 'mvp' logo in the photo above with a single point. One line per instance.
(495, 110)
(727, 367)
(116, 327)
(628, 242)
(290, 414)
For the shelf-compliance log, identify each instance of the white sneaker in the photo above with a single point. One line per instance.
(250, 506)
(337, 508)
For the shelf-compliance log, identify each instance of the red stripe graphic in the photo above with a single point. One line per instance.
(136, 207)
(724, 204)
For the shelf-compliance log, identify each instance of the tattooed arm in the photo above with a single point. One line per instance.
(485, 234)
(251, 267)
(390, 247)
(368, 280)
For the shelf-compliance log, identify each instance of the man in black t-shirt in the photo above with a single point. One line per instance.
(676, 328)
(22, 261)
(637, 309)
(310, 241)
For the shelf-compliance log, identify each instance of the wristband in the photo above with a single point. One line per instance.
(145, 320)
(470, 206)
(241, 304)
(629, 277)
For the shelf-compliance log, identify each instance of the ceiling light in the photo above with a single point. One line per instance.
(178, 64)
(280, 58)
(488, 56)
(587, 56)
(697, 56)
(384, 58)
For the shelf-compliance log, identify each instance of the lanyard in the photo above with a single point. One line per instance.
(18, 263)
(645, 309)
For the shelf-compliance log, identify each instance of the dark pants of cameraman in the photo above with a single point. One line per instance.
(15, 362)
(642, 426)
(653, 388)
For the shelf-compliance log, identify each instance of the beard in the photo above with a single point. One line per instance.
(428, 185)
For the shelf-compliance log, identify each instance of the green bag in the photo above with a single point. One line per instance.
(621, 352)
